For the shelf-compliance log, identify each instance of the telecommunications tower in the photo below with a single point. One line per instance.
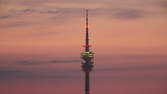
(87, 56)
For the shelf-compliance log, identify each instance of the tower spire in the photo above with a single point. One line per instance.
(87, 33)
(87, 56)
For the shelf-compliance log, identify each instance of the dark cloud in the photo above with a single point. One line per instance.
(46, 11)
(124, 13)
(23, 74)
(58, 77)
(138, 72)
(32, 2)
(133, 68)
(64, 15)
(162, 3)
(137, 77)
(65, 61)
(33, 10)
(162, 58)
(119, 13)
(5, 17)
(128, 14)
(56, 15)
(17, 13)
(14, 24)
(29, 62)
(39, 62)
(14, 74)
(65, 12)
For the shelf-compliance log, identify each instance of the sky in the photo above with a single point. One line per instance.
(41, 42)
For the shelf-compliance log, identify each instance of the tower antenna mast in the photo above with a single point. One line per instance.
(87, 56)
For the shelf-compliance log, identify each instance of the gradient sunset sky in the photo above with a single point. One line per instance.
(41, 42)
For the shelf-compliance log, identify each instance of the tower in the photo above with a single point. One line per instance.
(87, 56)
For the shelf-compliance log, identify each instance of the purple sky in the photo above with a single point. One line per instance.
(41, 42)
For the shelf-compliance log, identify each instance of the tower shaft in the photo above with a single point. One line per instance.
(87, 56)
(87, 84)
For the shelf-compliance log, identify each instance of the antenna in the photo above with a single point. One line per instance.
(87, 33)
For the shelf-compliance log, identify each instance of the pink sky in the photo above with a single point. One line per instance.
(41, 42)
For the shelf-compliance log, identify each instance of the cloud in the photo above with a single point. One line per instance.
(120, 13)
(34, 10)
(32, 2)
(58, 77)
(133, 68)
(67, 12)
(111, 8)
(14, 74)
(5, 17)
(128, 14)
(162, 3)
(29, 62)
(54, 15)
(16, 13)
(139, 58)
(136, 77)
(65, 61)
(14, 24)
(138, 72)
(45, 10)
(39, 62)
(64, 15)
